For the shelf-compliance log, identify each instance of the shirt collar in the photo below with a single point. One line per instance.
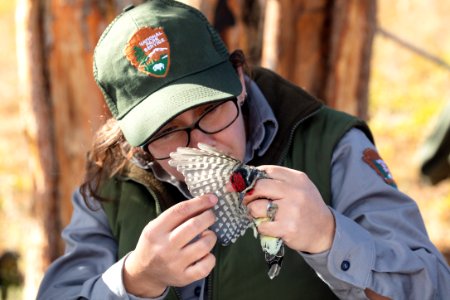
(262, 124)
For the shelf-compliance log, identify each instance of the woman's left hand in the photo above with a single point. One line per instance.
(303, 221)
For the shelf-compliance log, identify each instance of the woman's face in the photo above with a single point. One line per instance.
(231, 140)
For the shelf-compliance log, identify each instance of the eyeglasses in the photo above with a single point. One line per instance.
(213, 119)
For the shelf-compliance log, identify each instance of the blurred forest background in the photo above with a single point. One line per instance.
(409, 86)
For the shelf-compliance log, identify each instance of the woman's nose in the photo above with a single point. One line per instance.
(198, 136)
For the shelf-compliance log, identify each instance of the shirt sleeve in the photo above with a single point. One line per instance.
(380, 241)
(88, 269)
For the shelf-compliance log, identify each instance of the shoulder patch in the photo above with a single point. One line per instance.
(149, 51)
(373, 159)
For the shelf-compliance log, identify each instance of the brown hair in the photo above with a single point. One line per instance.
(110, 151)
(107, 157)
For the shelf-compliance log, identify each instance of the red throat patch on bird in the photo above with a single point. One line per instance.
(238, 181)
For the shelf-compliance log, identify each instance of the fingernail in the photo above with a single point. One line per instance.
(212, 198)
(250, 192)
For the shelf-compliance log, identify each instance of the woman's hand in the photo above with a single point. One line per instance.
(173, 250)
(303, 221)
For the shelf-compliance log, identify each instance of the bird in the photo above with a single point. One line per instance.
(209, 170)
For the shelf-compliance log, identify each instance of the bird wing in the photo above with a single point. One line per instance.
(208, 170)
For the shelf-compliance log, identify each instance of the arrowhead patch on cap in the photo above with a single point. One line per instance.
(373, 159)
(148, 50)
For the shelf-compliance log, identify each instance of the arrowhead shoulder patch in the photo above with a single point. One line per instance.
(373, 159)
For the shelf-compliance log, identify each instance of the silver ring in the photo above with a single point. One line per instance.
(272, 209)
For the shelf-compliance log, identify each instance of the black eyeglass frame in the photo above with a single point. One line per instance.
(195, 125)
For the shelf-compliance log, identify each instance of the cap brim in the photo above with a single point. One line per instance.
(216, 83)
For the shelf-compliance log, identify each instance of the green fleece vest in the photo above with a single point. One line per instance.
(308, 133)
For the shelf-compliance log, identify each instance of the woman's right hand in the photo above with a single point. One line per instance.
(173, 249)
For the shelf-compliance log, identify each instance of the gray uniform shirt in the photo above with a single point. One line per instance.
(380, 243)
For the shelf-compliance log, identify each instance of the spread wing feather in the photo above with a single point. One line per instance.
(207, 170)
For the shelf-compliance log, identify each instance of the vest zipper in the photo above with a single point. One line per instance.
(177, 293)
(209, 278)
(291, 134)
(209, 287)
(158, 206)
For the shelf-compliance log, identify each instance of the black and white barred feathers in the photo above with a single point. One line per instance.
(208, 170)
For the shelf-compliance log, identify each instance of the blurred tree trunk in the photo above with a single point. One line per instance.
(61, 104)
(322, 45)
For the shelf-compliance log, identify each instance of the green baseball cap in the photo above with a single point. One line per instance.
(155, 61)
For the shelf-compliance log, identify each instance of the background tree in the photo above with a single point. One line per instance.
(323, 46)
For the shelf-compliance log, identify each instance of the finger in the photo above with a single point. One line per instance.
(282, 173)
(192, 228)
(200, 247)
(270, 228)
(180, 212)
(201, 268)
(269, 189)
(258, 208)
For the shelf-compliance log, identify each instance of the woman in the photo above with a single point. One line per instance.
(168, 82)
